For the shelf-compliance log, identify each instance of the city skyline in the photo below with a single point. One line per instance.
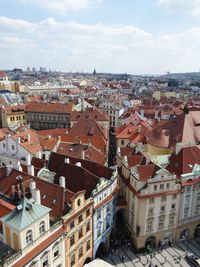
(153, 36)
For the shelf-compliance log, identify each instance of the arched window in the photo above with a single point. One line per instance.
(42, 227)
(29, 236)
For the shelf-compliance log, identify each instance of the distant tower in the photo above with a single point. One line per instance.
(94, 72)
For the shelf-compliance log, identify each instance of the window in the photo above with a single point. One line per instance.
(87, 212)
(107, 207)
(186, 213)
(80, 252)
(79, 202)
(168, 185)
(56, 251)
(188, 189)
(107, 224)
(198, 196)
(162, 209)
(150, 211)
(197, 210)
(98, 232)
(151, 200)
(161, 187)
(45, 261)
(122, 142)
(13, 147)
(161, 221)
(72, 240)
(171, 219)
(71, 225)
(80, 233)
(163, 198)
(42, 227)
(88, 227)
(173, 206)
(80, 218)
(98, 214)
(187, 200)
(149, 224)
(29, 237)
(72, 260)
(155, 187)
(88, 245)
(4, 145)
(174, 196)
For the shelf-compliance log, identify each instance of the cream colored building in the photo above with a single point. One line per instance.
(153, 198)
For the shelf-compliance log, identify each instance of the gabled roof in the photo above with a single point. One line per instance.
(184, 128)
(147, 171)
(25, 214)
(56, 161)
(184, 161)
(88, 127)
(77, 178)
(92, 113)
(83, 151)
(49, 107)
(54, 196)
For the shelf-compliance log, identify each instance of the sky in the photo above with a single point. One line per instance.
(118, 36)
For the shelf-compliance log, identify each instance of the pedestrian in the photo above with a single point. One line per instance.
(123, 258)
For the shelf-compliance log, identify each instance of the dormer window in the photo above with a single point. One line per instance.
(42, 227)
(29, 236)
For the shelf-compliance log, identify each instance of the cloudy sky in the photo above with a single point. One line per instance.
(134, 36)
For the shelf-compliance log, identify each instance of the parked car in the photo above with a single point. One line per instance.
(193, 260)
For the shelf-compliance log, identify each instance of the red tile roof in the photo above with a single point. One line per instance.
(49, 107)
(5, 208)
(56, 161)
(92, 113)
(147, 171)
(183, 128)
(83, 151)
(88, 127)
(184, 161)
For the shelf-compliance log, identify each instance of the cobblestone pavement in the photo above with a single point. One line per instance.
(170, 256)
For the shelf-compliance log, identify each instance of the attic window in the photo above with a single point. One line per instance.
(79, 202)
(91, 131)
(54, 201)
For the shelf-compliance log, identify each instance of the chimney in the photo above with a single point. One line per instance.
(139, 129)
(18, 140)
(31, 170)
(78, 164)
(28, 159)
(66, 160)
(39, 154)
(19, 167)
(36, 196)
(28, 137)
(83, 154)
(9, 168)
(13, 191)
(19, 191)
(32, 186)
(62, 181)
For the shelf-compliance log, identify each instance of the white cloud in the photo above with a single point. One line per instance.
(73, 46)
(193, 6)
(63, 6)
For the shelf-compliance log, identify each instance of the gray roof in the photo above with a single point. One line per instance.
(25, 214)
